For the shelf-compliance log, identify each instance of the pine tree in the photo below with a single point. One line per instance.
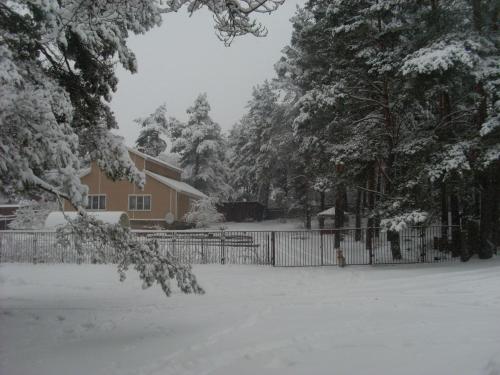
(57, 76)
(254, 157)
(201, 147)
(153, 127)
(32, 214)
(404, 97)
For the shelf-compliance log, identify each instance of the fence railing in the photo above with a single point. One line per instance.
(359, 246)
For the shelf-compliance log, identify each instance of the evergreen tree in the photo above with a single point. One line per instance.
(400, 100)
(201, 147)
(153, 127)
(32, 214)
(57, 76)
(254, 157)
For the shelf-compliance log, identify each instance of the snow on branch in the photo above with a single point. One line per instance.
(128, 249)
(204, 212)
(232, 17)
(399, 222)
(453, 159)
(440, 57)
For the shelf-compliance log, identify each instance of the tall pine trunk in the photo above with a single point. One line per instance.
(263, 193)
(443, 243)
(339, 213)
(322, 208)
(371, 208)
(456, 240)
(487, 215)
(357, 234)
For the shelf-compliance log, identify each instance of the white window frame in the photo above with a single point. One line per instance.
(90, 196)
(140, 195)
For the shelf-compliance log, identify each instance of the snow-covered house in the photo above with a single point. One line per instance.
(164, 198)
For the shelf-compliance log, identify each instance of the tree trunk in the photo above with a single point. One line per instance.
(321, 220)
(473, 239)
(495, 204)
(339, 213)
(486, 217)
(443, 243)
(393, 238)
(263, 193)
(477, 14)
(307, 209)
(345, 208)
(371, 208)
(308, 216)
(357, 235)
(456, 241)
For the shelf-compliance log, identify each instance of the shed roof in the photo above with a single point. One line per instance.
(328, 213)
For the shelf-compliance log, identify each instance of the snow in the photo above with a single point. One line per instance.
(70, 319)
(264, 225)
(58, 218)
(179, 186)
(329, 212)
(440, 57)
(400, 222)
(156, 160)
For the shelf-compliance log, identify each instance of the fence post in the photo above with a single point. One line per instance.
(174, 253)
(369, 243)
(273, 248)
(423, 252)
(267, 248)
(223, 248)
(35, 250)
(321, 245)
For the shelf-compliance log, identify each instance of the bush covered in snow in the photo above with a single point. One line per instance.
(400, 222)
(32, 215)
(203, 213)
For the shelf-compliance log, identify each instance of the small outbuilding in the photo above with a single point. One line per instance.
(327, 214)
(242, 211)
(7, 214)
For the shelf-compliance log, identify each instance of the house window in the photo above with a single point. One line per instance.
(139, 202)
(96, 202)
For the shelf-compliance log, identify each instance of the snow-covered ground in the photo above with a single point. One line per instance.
(277, 224)
(421, 319)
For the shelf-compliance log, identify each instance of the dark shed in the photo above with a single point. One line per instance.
(242, 211)
(7, 214)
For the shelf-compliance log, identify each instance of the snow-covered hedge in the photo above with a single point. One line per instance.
(203, 213)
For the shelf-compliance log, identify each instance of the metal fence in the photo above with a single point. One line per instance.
(359, 246)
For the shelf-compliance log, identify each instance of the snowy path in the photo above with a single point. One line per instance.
(434, 319)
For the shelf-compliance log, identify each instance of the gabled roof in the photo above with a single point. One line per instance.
(155, 160)
(329, 212)
(178, 186)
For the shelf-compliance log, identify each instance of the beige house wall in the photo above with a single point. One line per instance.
(163, 198)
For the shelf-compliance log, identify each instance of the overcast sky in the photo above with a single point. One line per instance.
(183, 58)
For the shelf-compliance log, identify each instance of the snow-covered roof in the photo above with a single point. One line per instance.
(85, 171)
(329, 212)
(156, 160)
(58, 218)
(178, 186)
